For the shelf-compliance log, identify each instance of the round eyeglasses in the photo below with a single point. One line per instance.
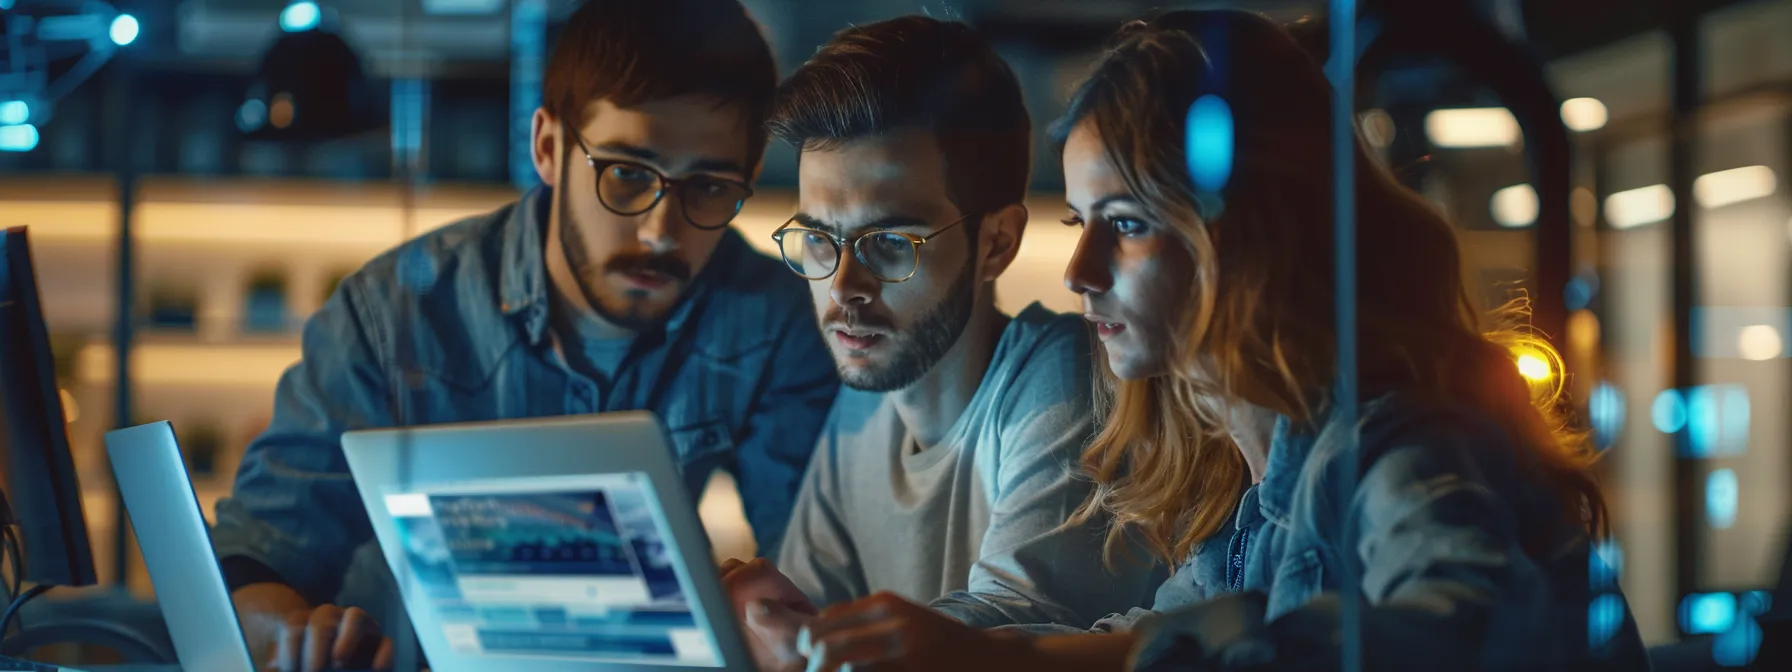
(891, 256)
(628, 188)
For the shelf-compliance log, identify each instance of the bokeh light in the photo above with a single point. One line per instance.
(1722, 492)
(1668, 413)
(1584, 114)
(1209, 138)
(1604, 615)
(1606, 413)
(282, 112)
(1759, 342)
(1515, 206)
(1583, 332)
(1757, 602)
(1734, 410)
(124, 30)
(1535, 364)
(14, 112)
(1737, 646)
(1703, 424)
(300, 17)
(21, 138)
(1707, 613)
(1584, 206)
(252, 115)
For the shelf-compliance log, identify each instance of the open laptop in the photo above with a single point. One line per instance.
(547, 545)
(177, 549)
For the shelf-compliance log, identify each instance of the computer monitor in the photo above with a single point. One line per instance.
(41, 485)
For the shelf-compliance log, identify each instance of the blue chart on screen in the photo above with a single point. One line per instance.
(552, 567)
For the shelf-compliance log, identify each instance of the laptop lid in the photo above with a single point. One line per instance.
(177, 549)
(549, 545)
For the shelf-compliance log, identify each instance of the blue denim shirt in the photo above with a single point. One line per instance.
(454, 327)
(1465, 562)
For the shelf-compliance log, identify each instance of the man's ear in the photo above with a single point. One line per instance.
(544, 146)
(1001, 232)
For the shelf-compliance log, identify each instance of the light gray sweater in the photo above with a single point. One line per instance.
(971, 525)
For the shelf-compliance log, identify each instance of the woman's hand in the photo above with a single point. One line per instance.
(886, 632)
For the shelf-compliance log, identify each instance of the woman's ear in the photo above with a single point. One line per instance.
(1001, 233)
(545, 146)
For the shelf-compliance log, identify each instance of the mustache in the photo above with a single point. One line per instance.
(644, 262)
(851, 318)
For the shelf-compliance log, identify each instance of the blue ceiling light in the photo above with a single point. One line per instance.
(124, 29)
(21, 138)
(299, 17)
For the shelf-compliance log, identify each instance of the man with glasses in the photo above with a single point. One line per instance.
(944, 472)
(617, 286)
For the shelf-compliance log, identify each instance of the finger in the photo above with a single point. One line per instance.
(357, 638)
(320, 637)
(735, 572)
(776, 626)
(289, 643)
(841, 617)
(383, 658)
(775, 616)
(859, 647)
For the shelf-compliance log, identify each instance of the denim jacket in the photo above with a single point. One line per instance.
(454, 327)
(1465, 562)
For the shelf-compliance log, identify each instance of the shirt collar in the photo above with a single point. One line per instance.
(522, 290)
(524, 286)
(1291, 447)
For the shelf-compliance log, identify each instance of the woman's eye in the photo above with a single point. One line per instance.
(1073, 220)
(1127, 227)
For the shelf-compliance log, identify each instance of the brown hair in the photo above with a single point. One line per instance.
(923, 73)
(1259, 326)
(637, 51)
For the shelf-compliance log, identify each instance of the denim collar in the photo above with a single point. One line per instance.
(523, 281)
(1291, 447)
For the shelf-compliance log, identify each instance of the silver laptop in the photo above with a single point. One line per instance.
(548, 545)
(177, 549)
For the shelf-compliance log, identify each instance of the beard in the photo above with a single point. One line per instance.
(629, 308)
(915, 350)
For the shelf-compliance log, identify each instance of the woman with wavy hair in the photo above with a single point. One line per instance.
(1470, 530)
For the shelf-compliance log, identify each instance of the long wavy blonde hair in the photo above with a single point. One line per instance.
(1259, 324)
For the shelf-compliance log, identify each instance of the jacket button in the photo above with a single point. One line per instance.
(709, 439)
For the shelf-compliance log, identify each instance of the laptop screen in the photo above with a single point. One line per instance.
(575, 567)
